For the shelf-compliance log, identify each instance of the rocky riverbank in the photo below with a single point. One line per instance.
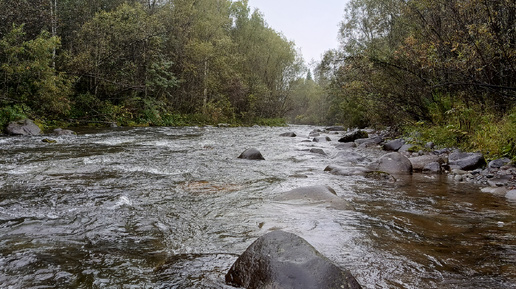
(496, 176)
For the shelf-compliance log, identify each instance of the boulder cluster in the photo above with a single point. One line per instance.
(27, 127)
(499, 175)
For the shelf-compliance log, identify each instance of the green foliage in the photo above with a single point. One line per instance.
(29, 76)
(397, 56)
(471, 129)
(144, 63)
(270, 121)
(11, 113)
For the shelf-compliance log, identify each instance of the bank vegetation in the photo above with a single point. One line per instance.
(440, 70)
(142, 62)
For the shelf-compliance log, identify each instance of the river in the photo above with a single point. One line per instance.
(174, 207)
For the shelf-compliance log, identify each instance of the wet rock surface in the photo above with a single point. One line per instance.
(24, 127)
(251, 154)
(284, 260)
(457, 165)
(323, 195)
(354, 135)
(288, 134)
(63, 132)
(392, 163)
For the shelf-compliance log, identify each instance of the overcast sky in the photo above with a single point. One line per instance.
(312, 24)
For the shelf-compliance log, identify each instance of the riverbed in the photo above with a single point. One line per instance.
(174, 207)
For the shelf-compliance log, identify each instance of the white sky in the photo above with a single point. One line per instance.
(312, 24)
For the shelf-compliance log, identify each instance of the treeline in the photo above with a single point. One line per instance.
(443, 68)
(142, 62)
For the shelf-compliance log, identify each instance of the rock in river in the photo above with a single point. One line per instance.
(392, 163)
(419, 163)
(321, 139)
(251, 154)
(393, 145)
(62, 132)
(352, 136)
(282, 260)
(288, 134)
(23, 127)
(315, 195)
(466, 161)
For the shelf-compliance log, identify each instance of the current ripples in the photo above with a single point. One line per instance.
(173, 208)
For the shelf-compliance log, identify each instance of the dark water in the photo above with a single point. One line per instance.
(173, 208)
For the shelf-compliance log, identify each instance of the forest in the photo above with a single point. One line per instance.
(142, 62)
(442, 70)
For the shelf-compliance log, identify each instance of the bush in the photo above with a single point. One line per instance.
(11, 113)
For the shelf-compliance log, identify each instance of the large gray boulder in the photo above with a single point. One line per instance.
(281, 260)
(335, 128)
(392, 163)
(393, 145)
(419, 163)
(23, 127)
(466, 161)
(324, 195)
(352, 136)
(251, 154)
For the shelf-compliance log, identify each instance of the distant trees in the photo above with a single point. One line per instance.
(144, 61)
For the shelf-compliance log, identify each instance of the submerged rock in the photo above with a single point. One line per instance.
(344, 146)
(347, 171)
(47, 140)
(23, 127)
(61, 132)
(282, 260)
(322, 139)
(318, 151)
(251, 154)
(350, 157)
(315, 195)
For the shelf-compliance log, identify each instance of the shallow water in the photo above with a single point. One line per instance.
(174, 207)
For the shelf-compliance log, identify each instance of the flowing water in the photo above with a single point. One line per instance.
(174, 207)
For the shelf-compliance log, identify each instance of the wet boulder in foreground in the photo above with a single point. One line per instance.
(284, 260)
(23, 127)
(251, 154)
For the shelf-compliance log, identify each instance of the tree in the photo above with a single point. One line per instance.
(28, 76)
(120, 60)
